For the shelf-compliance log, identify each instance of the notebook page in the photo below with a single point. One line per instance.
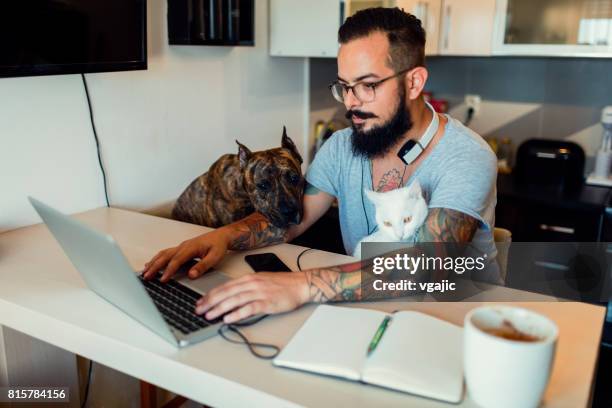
(419, 354)
(334, 341)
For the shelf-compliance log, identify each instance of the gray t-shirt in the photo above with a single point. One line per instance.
(460, 174)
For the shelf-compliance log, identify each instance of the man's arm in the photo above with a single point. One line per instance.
(343, 282)
(279, 292)
(253, 231)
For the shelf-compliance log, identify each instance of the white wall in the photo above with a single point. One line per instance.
(158, 128)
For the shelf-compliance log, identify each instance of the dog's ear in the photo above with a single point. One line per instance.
(287, 143)
(244, 154)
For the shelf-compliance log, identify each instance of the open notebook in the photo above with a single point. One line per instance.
(418, 354)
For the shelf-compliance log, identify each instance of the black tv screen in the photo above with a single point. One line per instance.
(49, 37)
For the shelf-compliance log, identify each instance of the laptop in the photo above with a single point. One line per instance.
(168, 309)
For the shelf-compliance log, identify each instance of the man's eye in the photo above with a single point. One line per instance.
(264, 185)
(372, 85)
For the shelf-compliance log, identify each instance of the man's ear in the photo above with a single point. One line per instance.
(287, 143)
(244, 154)
(415, 82)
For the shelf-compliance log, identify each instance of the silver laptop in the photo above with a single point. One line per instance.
(165, 308)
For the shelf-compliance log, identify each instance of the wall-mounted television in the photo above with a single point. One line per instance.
(51, 37)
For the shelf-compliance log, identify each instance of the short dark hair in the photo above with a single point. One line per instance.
(404, 31)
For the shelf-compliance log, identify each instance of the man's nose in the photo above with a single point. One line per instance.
(350, 100)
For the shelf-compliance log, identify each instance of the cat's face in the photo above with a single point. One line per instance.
(399, 212)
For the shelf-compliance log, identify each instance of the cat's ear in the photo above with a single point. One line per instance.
(414, 190)
(372, 195)
(244, 154)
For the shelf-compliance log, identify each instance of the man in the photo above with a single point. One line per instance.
(381, 76)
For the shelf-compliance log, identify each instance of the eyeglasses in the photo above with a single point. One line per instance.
(364, 91)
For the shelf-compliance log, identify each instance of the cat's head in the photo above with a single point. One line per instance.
(399, 212)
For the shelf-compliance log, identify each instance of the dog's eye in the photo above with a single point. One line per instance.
(293, 178)
(407, 220)
(264, 185)
(387, 224)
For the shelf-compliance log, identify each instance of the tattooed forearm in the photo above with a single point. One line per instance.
(345, 283)
(254, 231)
(354, 281)
(444, 225)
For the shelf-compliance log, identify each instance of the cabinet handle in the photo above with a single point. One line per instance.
(422, 12)
(447, 22)
(342, 11)
(552, 265)
(556, 228)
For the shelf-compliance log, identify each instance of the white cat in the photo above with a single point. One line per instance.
(399, 214)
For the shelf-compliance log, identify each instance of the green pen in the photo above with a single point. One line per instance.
(378, 335)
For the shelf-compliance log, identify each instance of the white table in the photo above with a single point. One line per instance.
(43, 296)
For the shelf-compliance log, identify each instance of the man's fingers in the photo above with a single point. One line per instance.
(208, 260)
(221, 293)
(232, 302)
(160, 260)
(180, 257)
(248, 310)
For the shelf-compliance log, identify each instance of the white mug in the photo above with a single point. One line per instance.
(507, 373)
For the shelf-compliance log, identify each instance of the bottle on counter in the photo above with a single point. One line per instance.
(504, 156)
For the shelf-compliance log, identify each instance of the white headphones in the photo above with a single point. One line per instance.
(413, 148)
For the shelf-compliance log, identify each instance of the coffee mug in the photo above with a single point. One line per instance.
(508, 354)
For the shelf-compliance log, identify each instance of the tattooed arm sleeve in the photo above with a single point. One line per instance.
(344, 282)
(254, 231)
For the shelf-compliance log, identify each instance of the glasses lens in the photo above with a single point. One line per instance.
(338, 92)
(364, 93)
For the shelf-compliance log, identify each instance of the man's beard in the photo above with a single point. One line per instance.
(377, 141)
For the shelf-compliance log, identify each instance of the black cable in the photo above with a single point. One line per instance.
(244, 340)
(300, 256)
(93, 126)
(469, 116)
(87, 384)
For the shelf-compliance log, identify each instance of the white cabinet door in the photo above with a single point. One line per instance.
(467, 27)
(300, 28)
(428, 11)
(570, 28)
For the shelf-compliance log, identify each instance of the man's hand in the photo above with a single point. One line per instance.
(209, 247)
(264, 292)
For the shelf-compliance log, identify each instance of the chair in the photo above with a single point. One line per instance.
(504, 237)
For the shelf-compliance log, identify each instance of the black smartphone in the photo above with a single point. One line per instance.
(266, 262)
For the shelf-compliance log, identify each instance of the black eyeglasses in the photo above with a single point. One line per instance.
(364, 91)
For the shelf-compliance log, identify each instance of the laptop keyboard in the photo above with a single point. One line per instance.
(176, 302)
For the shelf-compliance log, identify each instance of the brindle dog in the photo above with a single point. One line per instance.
(236, 185)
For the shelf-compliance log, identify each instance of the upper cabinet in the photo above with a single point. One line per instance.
(554, 28)
(428, 11)
(301, 28)
(466, 27)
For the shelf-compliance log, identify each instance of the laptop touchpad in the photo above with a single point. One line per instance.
(205, 282)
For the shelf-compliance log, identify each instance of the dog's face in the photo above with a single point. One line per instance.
(273, 179)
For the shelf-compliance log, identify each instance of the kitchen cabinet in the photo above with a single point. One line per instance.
(466, 27)
(570, 28)
(301, 28)
(428, 11)
(536, 214)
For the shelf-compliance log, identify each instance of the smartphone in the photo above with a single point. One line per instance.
(266, 262)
